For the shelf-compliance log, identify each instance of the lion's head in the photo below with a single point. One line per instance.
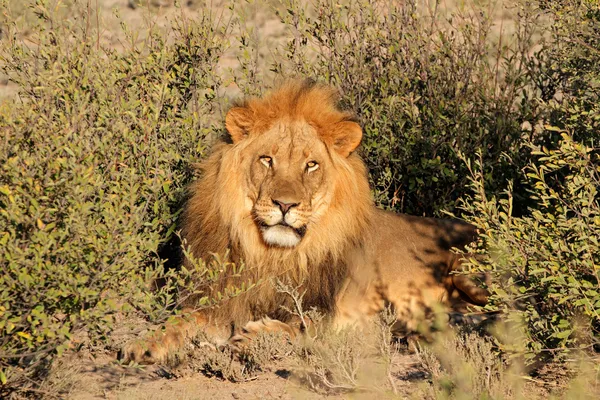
(287, 194)
(292, 146)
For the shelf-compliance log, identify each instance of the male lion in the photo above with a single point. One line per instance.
(290, 198)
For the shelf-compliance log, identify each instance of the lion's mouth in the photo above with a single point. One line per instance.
(282, 234)
(301, 231)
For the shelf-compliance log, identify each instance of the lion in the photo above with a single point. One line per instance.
(287, 194)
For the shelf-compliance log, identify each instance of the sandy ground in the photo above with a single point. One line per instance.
(96, 373)
(101, 377)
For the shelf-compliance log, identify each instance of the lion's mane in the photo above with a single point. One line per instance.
(215, 219)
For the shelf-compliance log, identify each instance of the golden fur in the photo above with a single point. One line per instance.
(290, 198)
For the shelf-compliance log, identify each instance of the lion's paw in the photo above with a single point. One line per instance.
(253, 328)
(143, 352)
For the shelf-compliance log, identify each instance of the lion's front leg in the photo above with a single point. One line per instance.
(166, 340)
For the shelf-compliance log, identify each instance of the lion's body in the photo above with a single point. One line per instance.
(404, 261)
(291, 199)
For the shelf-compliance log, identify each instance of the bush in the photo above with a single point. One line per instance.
(422, 93)
(565, 72)
(545, 263)
(466, 366)
(544, 266)
(94, 159)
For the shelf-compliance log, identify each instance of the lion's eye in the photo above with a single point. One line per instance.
(312, 166)
(267, 161)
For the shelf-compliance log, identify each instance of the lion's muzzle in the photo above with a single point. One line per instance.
(281, 226)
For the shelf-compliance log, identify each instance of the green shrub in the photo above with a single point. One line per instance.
(566, 72)
(423, 88)
(545, 262)
(94, 158)
(545, 265)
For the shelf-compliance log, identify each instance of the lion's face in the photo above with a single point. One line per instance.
(291, 170)
(288, 175)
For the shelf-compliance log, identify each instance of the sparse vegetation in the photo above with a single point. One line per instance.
(95, 157)
(97, 148)
(545, 258)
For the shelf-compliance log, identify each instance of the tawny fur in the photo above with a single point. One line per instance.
(352, 259)
(215, 218)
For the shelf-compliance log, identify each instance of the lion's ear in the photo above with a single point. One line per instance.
(238, 122)
(346, 137)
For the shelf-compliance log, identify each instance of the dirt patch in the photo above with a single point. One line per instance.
(101, 377)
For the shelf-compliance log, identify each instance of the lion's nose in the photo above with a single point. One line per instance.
(284, 207)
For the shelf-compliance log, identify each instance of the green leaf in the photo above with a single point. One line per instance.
(564, 334)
